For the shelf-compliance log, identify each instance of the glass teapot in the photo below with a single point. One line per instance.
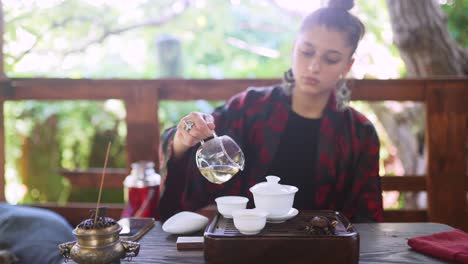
(219, 159)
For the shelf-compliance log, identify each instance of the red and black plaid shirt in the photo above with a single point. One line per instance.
(346, 176)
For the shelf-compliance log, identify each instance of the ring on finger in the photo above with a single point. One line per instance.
(188, 125)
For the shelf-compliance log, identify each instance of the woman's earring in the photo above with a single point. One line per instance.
(288, 81)
(343, 96)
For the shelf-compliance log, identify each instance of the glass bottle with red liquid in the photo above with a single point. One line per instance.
(141, 191)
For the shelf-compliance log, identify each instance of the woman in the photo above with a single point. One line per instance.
(302, 131)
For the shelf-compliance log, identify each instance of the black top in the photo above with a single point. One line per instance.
(296, 157)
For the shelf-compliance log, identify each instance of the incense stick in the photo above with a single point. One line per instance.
(102, 183)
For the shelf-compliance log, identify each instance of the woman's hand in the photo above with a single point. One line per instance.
(190, 130)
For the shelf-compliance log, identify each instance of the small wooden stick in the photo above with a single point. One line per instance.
(102, 183)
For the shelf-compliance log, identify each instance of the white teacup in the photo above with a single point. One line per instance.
(249, 221)
(227, 204)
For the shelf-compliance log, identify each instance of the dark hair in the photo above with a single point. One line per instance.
(336, 16)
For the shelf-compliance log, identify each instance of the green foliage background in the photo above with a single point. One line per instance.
(99, 39)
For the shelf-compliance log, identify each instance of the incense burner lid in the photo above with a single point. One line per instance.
(103, 225)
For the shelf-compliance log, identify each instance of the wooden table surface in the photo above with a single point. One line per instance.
(380, 243)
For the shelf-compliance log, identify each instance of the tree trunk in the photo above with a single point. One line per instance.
(421, 35)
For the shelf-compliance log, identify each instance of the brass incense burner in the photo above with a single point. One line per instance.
(98, 242)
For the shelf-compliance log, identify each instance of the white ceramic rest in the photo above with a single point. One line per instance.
(185, 223)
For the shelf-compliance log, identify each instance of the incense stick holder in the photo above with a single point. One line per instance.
(98, 243)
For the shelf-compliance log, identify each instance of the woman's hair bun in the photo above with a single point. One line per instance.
(342, 4)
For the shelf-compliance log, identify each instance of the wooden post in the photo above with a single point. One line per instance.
(142, 124)
(447, 115)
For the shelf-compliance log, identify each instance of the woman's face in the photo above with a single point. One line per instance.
(321, 56)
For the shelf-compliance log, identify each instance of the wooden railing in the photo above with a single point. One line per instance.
(446, 102)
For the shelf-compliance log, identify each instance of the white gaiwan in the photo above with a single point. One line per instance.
(272, 197)
(184, 223)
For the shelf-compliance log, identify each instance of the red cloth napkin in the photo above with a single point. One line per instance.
(450, 245)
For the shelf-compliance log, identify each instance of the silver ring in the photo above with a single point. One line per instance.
(188, 125)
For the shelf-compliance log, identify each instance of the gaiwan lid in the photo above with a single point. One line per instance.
(272, 187)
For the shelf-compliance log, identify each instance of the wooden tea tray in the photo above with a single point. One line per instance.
(286, 242)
